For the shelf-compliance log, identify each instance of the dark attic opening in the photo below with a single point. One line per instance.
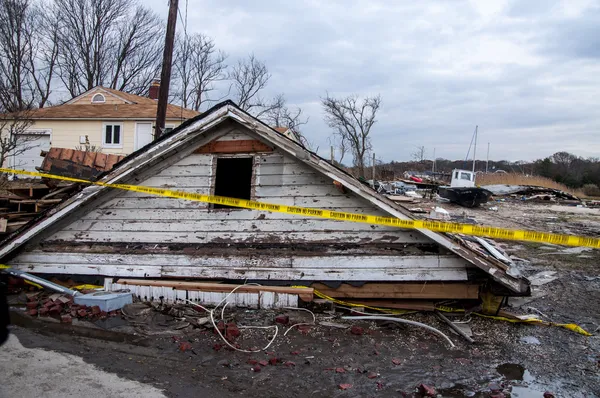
(233, 179)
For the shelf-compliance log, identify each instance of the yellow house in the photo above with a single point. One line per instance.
(110, 120)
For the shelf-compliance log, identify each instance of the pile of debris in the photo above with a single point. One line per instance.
(23, 200)
(532, 193)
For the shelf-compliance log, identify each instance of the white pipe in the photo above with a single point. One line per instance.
(387, 318)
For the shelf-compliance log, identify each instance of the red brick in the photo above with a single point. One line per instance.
(96, 310)
(263, 363)
(43, 311)
(357, 330)
(33, 312)
(82, 313)
(55, 310)
(232, 331)
(273, 361)
(252, 361)
(32, 305)
(66, 319)
(372, 375)
(282, 319)
(427, 391)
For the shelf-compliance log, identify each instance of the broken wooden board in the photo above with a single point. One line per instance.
(306, 294)
(433, 290)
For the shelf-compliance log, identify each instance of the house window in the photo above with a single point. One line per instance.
(233, 179)
(112, 135)
(98, 99)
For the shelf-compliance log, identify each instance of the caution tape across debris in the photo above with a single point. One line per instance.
(437, 226)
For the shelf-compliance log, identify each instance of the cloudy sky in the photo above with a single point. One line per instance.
(526, 71)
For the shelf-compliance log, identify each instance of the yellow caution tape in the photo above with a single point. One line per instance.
(87, 287)
(446, 227)
(354, 305)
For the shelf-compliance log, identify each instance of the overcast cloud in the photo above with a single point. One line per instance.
(527, 72)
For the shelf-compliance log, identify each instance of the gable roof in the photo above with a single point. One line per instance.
(134, 107)
(122, 95)
(132, 167)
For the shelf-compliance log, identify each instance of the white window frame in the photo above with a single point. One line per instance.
(98, 102)
(107, 145)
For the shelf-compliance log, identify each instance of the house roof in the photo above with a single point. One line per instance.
(177, 141)
(79, 164)
(110, 111)
(133, 107)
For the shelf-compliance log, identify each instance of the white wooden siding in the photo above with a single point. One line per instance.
(307, 268)
(135, 217)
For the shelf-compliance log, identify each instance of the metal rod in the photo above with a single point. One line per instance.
(373, 169)
(454, 327)
(41, 281)
(487, 161)
(475, 149)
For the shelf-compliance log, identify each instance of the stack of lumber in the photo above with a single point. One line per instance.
(21, 201)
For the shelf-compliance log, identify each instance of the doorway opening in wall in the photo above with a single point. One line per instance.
(233, 179)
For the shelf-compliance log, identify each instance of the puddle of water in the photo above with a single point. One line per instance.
(526, 385)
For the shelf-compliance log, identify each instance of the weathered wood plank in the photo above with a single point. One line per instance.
(205, 181)
(228, 272)
(195, 159)
(430, 290)
(350, 237)
(237, 146)
(331, 264)
(214, 225)
(237, 135)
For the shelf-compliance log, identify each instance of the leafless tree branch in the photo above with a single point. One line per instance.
(352, 121)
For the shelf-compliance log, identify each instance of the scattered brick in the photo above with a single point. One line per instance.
(295, 352)
(273, 361)
(290, 364)
(252, 361)
(263, 363)
(82, 313)
(427, 391)
(217, 346)
(282, 319)
(96, 310)
(55, 309)
(32, 305)
(66, 319)
(184, 346)
(256, 368)
(32, 312)
(43, 311)
(372, 375)
(345, 386)
(396, 361)
(357, 330)
(340, 370)
(232, 331)
(548, 394)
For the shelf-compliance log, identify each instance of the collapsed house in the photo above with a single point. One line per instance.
(227, 152)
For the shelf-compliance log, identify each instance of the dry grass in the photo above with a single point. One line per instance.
(521, 179)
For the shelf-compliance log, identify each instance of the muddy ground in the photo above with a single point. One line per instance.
(388, 360)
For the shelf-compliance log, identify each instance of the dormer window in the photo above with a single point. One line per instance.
(98, 99)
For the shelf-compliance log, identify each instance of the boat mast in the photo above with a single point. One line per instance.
(487, 161)
(475, 149)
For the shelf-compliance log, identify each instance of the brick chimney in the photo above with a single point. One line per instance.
(153, 90)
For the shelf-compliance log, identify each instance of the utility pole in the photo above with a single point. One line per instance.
(332, 155)
(433, 165)
(165, 75)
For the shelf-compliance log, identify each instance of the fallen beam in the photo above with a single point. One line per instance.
(305, 294)
(433, 290)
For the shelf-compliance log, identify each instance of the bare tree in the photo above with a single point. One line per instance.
(198, 66)
(419, 154)
(13, 142)
(248, 78)
(352, 121)
(114, 43)
(280, 115)
(16, 32)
